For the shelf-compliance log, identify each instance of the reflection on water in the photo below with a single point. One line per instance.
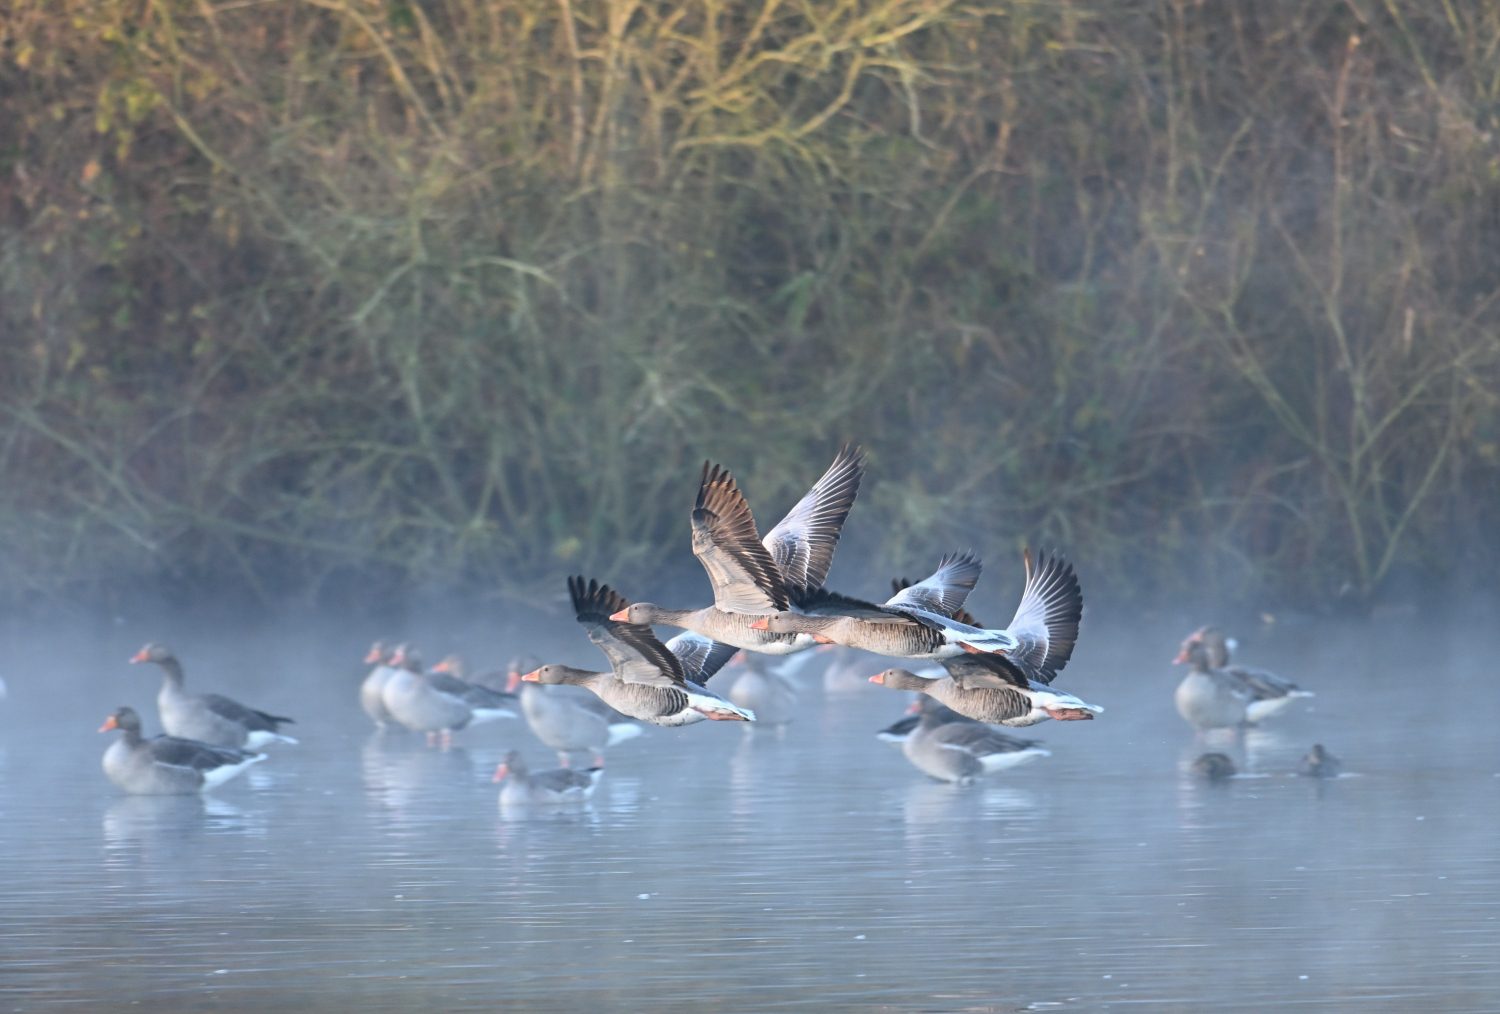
(720, 870)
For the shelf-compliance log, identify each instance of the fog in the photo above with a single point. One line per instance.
(724, 867)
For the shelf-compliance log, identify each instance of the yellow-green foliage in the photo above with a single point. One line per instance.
(465, 290)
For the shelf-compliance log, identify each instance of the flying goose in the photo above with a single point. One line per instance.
(437, 703)
(1216, 695)
(167, 765)
(559, 785)
(650, 681)
(1012, 689)
(962, 750)
(752, 576)
(918, 621)
(207, 718)
(372, 690)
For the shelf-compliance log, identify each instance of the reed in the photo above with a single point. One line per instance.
(461, 292)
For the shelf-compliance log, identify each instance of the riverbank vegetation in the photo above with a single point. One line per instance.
(305, 294)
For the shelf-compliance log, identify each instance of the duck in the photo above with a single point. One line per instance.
(1216, 695)
(1013, 689)
(752, 576)
(372, 690)
(559, 785)
(960, 751)
(568, 722)
(1319, 763)
(1213, 766)
(437, 703)
(208, 718)
(898, 731)
(167, 765)
(649, 681)
(920, 621)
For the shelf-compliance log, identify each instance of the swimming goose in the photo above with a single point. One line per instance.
(207, 718)
(753, 576)
(1012, 689)
(559, 785)
(917, 622)
(567, 723)
(654, 682)
(167, 765)
(372, 690)
(1216, 695)
(897, 732)
(960, 751)
(1213, 766)
(764, 687)
(1319, 763)
(437, 703)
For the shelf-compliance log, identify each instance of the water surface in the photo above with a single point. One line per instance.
(720, 869)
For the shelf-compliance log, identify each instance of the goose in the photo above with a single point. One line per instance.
(897, 732)
(1012, 689)
(1216, 695)
(650, 681)
(491, 679)
(1213, 766)
(765, 688)
(919, 621)
(752, 576)
(372, 690)
(437, 703)
(1319, 763)
(961, 751)
(167, 765)
(207, 718)
(559, 785)
(567, 723)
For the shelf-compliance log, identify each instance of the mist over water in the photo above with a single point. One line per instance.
(722, 868)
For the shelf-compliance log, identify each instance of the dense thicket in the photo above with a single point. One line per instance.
(463, 291)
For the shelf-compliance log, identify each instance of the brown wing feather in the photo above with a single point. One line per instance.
(744, 576)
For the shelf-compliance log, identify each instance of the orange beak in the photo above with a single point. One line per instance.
(623, 616)
(109, 723)
(761, 624)
(511, 682)
(441, 667)
(396, 659)
(373, 656)
(914, 707)
(738, 658)
(500, 773)
(821, 639)
(878, 678)
(1181, 657)
(533, 677)
(139, 656)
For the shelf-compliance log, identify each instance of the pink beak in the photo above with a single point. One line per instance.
(623, 616)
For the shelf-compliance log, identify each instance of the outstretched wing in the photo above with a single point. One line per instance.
(802, 543)
(989, 669)
(635, 653)
(945, 590)
(744, 576)
(823, 602)
(701, 657)
(1046, 621)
